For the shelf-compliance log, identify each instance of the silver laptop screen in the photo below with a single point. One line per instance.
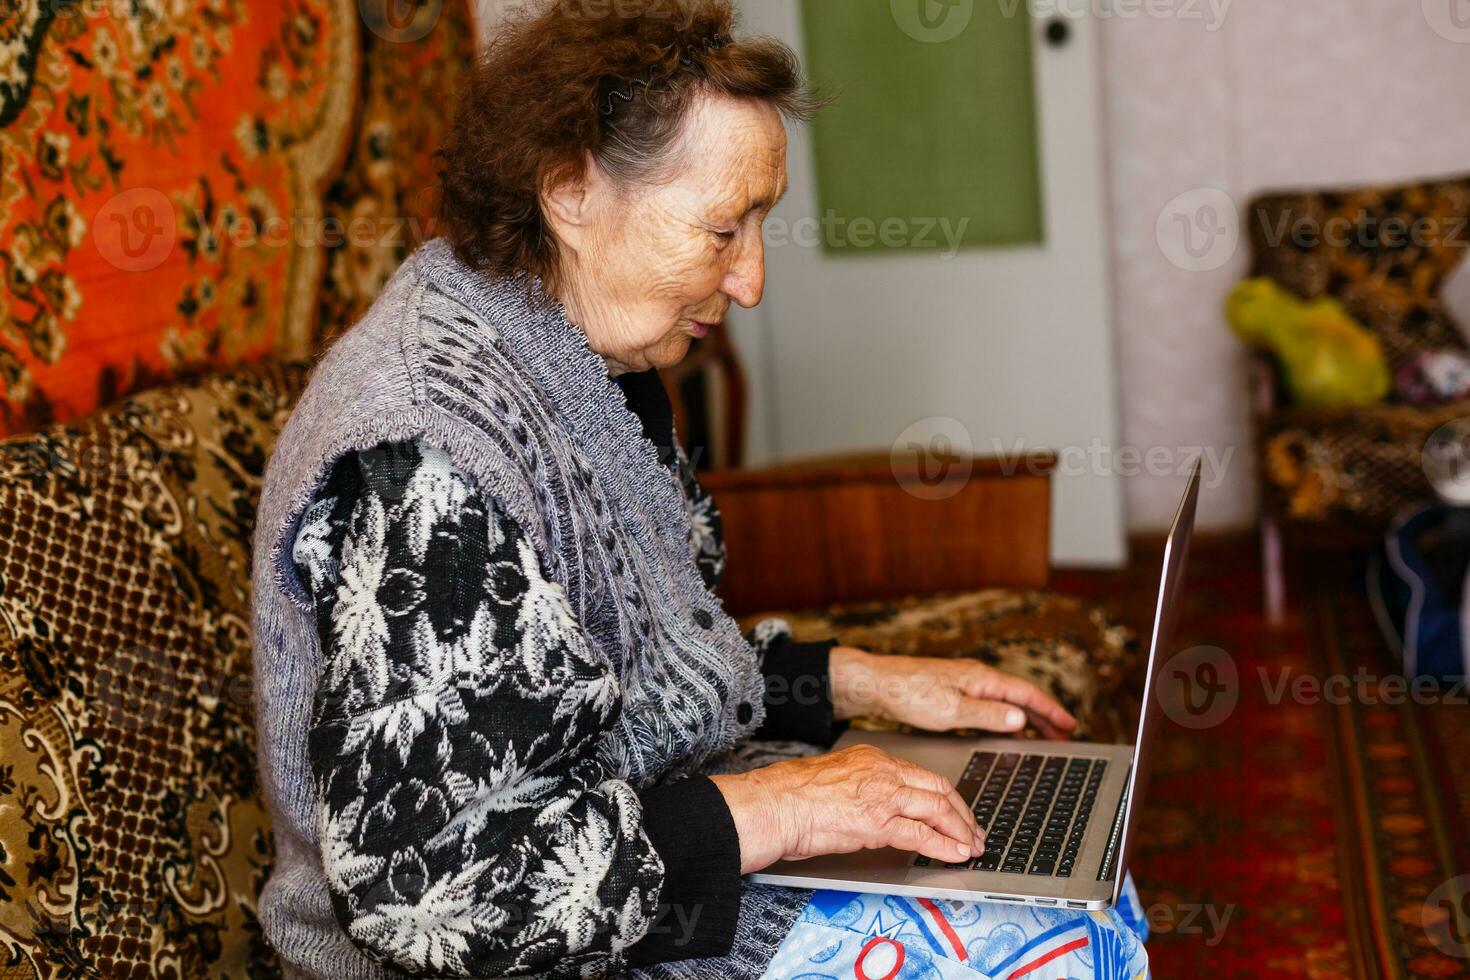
(1166, 616)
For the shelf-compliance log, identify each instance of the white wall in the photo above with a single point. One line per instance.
(1280, 94)
(1232, 96)
(1202, 97)
(994, 349)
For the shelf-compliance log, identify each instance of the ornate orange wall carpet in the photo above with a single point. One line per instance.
(197, 184)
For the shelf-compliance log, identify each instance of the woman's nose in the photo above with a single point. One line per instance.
(746, 281)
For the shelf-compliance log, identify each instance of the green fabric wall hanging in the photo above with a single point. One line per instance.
(935, 120)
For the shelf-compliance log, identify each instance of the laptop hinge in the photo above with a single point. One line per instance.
(1110, 857)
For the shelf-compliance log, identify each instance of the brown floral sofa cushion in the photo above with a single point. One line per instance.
(132, 838)
(1361, 464)
(1068, 647)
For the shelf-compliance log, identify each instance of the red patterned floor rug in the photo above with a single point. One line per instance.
(1310, 827)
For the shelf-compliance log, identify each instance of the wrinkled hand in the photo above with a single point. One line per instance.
(855, 798)
(940, 694)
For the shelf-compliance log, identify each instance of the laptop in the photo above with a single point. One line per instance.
(1060, 817)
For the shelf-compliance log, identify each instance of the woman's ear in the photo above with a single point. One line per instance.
(570, 203)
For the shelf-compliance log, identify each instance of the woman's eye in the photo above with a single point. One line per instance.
(726, 235)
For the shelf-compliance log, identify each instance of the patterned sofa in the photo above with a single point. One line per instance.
(1334, 475)
(133, 841)
(185, 188)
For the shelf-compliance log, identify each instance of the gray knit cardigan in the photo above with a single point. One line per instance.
(510, 389)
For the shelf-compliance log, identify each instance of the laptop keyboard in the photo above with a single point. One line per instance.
(1034, 810)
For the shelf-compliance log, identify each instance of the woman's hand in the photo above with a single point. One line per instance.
(858, 797)
(940, 694)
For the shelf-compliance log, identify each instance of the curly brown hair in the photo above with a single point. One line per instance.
(541, 95)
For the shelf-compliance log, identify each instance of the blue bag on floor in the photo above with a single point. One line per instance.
(1417, 581)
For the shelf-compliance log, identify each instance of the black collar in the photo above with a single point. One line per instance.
(649, 400)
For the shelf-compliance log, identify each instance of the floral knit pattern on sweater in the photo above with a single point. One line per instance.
(468, 826)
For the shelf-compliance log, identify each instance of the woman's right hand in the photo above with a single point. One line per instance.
(858, 797)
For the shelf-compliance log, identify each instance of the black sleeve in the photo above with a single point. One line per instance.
(798, 685)
(690, 826)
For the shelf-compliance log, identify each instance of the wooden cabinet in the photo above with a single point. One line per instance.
(851, 528)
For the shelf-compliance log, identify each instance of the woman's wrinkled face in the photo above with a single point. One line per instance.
(646, 270)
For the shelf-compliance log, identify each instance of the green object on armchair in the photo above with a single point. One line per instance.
(1327, 357)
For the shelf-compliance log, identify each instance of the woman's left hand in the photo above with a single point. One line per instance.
(940, 694)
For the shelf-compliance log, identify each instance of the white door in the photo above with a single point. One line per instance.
(1010, 347)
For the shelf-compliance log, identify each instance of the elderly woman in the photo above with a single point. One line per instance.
(497, 696)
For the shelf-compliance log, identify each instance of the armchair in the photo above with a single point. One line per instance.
(1335, 477)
